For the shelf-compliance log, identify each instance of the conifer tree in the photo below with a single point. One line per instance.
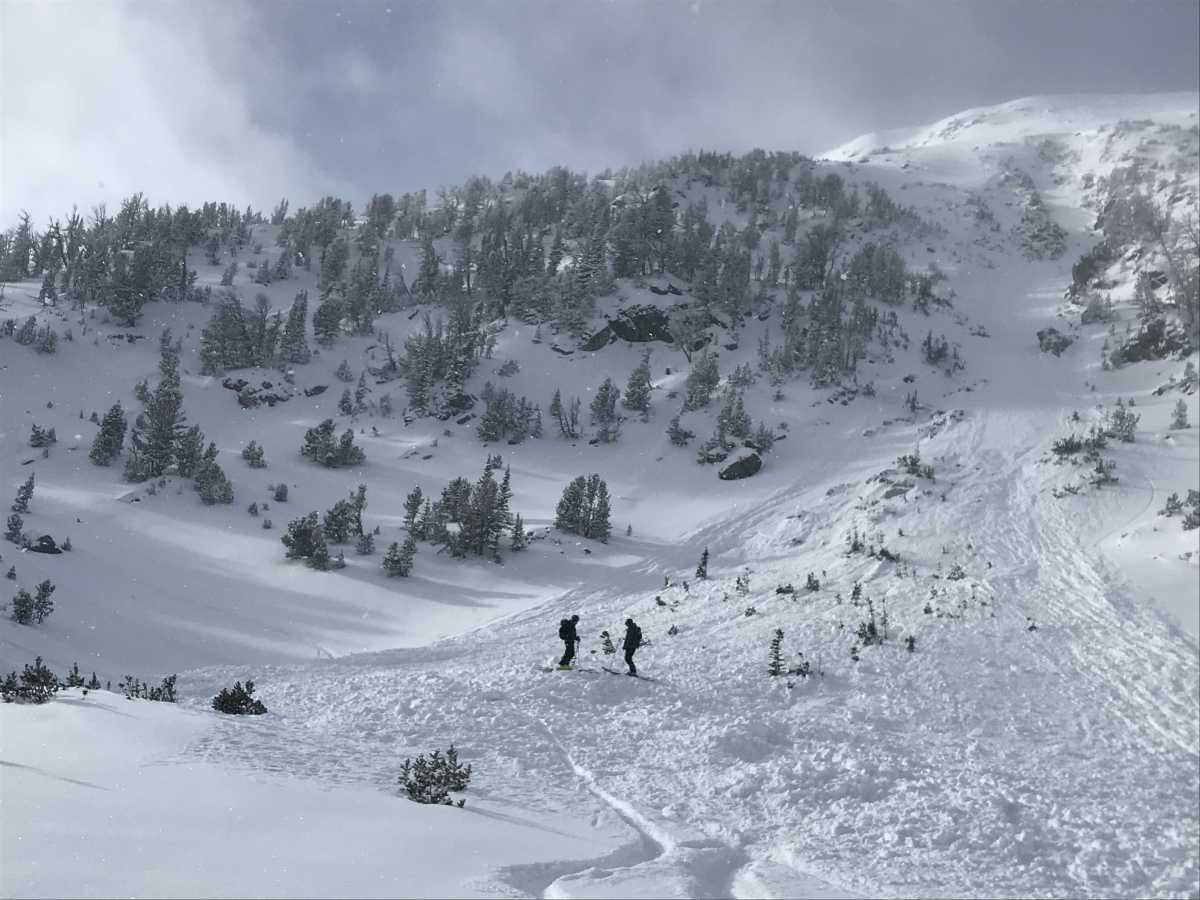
(637, 392)
(398, 561)
(154, 449)
(211, 482)
(412, 508)
(24, 495)
(327, 321)
(1179, 417)
(702, 569)
(20, 609)
(519, 539)
(604, 412)
(584, 508)
(701, 382)
(775, 665)
(679, 435)
(427, 274)
(304, 538)
(14, 532)
(110, 438)
(338, 522)
(42, 604)
(293, 348)
(252, 453)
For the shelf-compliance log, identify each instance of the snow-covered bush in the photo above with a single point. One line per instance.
(305, 540)
(41, 437)
(430, 780)
(1179, 415)
(140, 690)
(238, 701)
(32, 610)
(252, 453)
(37, 684)
(320, 447)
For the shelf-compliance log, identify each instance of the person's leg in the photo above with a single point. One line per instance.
(629, 662)
(568, 654)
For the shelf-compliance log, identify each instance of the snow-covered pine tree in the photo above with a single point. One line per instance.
(211, 482)
(42, 604)
(775, 663)
(20, 608)
(360, 393)
(14, 532)
(584, 508)
(569, 514)
(333, 263)
(305, 539)
(338, 522)
(358, 503)
(733, 418)
(252, 453)
(293, 347)
(365, 545)
(320, 446)
(604, 412)
(701, 382)
(155, 445)
(398, 561)
(110, 438)
(42, 437)
(24, 495)
(679, 435)
(412, 508)
(637, 391)
(1179, 415)
(327, 321)
(519, 539)
(702, 568)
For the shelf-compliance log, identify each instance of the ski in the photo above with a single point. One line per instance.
(630, 674)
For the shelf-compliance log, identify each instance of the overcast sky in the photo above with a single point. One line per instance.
(249, 102)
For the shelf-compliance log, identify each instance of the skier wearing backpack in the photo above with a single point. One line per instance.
(633, 640)
(566, 631)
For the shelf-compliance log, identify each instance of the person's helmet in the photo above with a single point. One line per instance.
(574, 618)
(629, 621)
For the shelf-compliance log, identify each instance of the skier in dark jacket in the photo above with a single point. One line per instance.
(566, 631)
(633, 640)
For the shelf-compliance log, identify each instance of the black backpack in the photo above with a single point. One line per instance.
(564, 629)
(637, 636)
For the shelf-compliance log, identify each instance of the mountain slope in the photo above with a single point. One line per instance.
(1040, 737)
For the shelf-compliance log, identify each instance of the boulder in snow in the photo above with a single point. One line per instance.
(742, 467)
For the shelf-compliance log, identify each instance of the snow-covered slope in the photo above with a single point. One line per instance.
(1040, 738)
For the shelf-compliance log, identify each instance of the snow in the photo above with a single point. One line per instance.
(1042, 740)
(136, 814)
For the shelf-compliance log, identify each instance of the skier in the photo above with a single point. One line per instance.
(633, 640)
(566, 631)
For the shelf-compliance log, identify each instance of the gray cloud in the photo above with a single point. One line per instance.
(251, 102)
(101, 101)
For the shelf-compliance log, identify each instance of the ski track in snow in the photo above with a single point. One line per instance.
(995, 760)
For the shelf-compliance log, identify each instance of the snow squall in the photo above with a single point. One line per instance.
(1042, 740)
